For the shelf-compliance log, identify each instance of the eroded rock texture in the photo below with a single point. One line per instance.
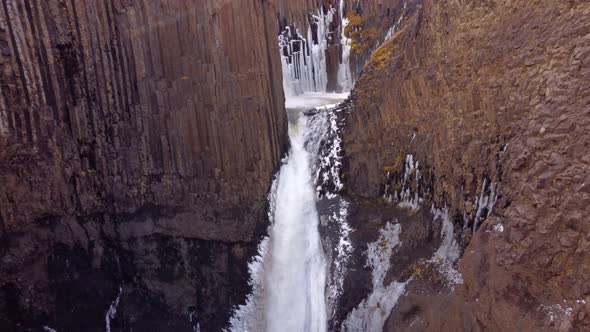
(137, 144)
(494, 91)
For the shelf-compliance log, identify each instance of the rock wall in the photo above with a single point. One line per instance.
(137, 143)
(378, 16)
(488, 92)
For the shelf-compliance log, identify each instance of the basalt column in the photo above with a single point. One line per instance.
(137, 144)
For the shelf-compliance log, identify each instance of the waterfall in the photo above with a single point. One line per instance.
(291, 289)
(297, 269)
(289, 276)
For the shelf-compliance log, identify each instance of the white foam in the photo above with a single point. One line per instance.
(289, 275)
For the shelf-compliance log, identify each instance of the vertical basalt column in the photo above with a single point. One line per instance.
(125, 124)
(125, 93)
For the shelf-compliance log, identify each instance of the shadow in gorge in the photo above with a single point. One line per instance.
(165, 282)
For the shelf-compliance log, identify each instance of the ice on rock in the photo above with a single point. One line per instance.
(371, 313)
(303, 56)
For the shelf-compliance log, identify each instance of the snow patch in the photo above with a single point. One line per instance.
(556, 313)
(371, 313)
(449, 251)
(449, 248)
(498, 228)
(112, 312)
(343, 251)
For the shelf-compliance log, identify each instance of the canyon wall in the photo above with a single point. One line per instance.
(345, 32)
(137, 142)
(492, 99)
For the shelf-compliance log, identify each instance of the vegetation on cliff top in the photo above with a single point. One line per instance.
(361, 36)
(371, 81)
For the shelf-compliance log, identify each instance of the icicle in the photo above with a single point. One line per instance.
(304, 64)
(344, 75)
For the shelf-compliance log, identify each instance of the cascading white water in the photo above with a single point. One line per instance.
(296, 270)
(289, 276)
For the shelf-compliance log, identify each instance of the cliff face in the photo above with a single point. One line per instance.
(492, 99)
(364, 25)
(137, 143)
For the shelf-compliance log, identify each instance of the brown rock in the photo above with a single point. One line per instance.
(474, 77)
(137, 143)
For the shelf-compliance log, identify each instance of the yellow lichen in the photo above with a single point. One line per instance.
(371, 82)
(389, 168)
(361, 37)
(395, 166)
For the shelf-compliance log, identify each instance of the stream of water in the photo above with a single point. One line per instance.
(296, 270)
(289, 277)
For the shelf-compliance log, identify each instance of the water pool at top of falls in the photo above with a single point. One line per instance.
(320, 100)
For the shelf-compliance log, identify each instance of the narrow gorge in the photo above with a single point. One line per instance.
(294, 165)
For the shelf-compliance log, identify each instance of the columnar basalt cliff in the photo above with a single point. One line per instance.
(492, 99)
(375, 22)
(138, 141)
(137, 144)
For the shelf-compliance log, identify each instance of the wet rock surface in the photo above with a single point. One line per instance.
(479, 93)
